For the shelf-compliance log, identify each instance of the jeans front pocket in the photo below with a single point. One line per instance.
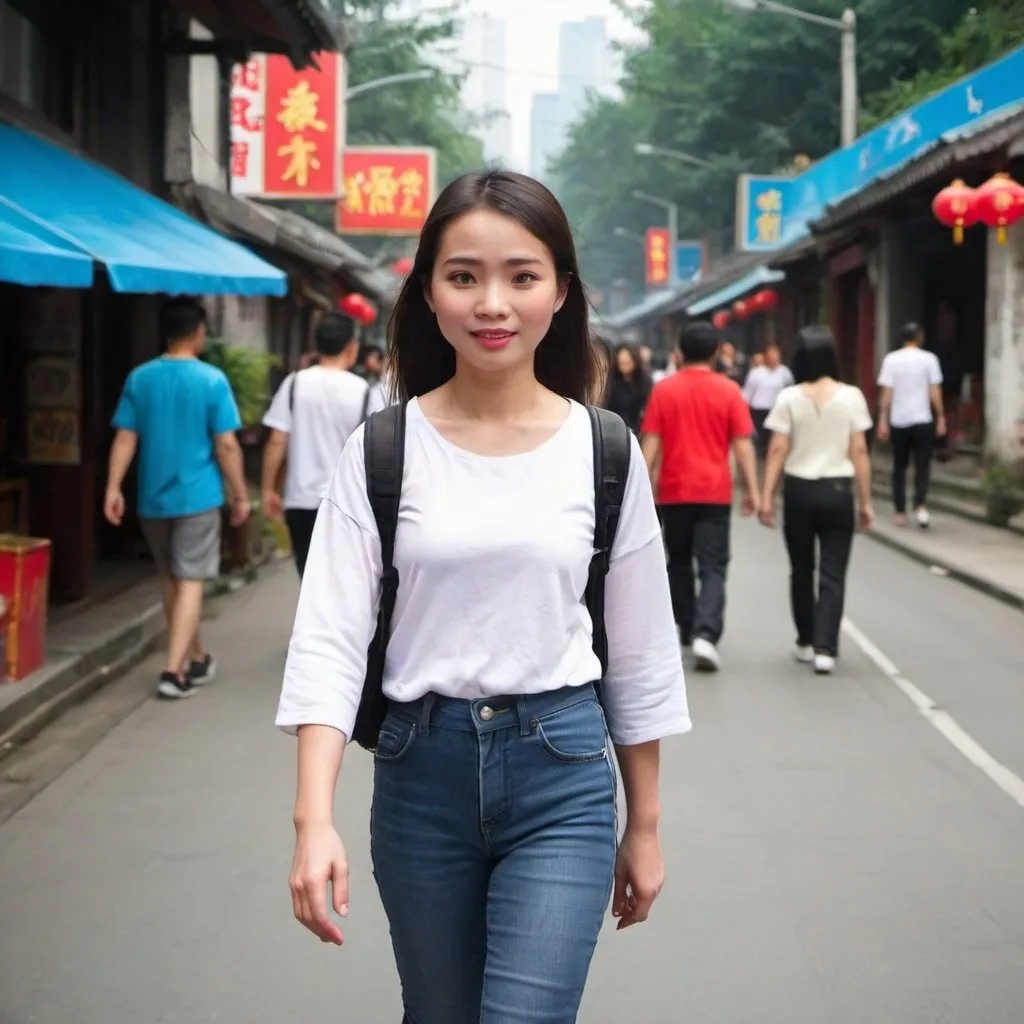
(576, 734)
(396, 737)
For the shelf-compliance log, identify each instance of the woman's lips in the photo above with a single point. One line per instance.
(494, 338)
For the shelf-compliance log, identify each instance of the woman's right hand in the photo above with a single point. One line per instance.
(319, 858)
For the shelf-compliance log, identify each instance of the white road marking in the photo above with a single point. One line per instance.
(944, 722)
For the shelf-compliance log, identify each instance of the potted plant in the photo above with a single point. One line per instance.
(1003, 486)
(248, 373)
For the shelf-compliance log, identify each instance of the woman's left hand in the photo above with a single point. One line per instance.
(639, 876)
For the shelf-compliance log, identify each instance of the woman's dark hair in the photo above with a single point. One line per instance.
(815, 355)
(419, 357)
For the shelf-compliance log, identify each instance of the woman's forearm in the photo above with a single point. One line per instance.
(640, 766)
(321, 748)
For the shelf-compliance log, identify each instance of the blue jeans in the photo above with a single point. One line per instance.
(493, 836)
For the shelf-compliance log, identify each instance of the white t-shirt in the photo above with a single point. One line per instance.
(910, 372)
(763, 386)
(493, 555)
(819, 438)
(327, 405)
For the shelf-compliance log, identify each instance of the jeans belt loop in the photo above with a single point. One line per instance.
(522, 706)
(428, 706)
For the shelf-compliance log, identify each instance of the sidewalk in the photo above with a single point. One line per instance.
(984, 557)
(87, 649)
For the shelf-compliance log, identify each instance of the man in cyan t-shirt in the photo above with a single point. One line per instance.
(694, 420)
(180, 416)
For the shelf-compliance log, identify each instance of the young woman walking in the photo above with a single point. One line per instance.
(629, 387)
(493, 824)
(818, 442)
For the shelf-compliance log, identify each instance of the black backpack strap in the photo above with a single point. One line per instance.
(291, 393)
(611, 470)
(384, 458)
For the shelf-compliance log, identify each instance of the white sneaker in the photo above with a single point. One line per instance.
(705, 655)
(823, 664)
(805, 655)
(923, 518)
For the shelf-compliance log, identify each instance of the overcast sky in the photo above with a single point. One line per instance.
(532, 33)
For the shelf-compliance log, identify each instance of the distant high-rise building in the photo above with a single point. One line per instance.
(482, 47)
(584, 64)
(547, 132)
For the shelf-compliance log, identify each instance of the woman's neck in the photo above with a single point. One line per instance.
(504, 396)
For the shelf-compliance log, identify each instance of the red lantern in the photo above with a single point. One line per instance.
(741, 309)
(403, 267)
(368, 313)
(721, 319)
(765, 300)
(351, 304)
(956, 206)
(1000, 203)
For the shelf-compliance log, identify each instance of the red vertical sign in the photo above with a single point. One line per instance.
(656, 250)
(301, 140)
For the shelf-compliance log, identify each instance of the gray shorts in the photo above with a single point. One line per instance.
(188, 547)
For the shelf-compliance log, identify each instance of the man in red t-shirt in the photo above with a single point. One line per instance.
(694, 419)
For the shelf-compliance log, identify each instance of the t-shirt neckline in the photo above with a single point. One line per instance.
(419, 414)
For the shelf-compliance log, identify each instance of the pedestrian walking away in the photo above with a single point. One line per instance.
(819, 451)
(313, 414)
(493, 824)
(912, 414)
(694, 420)
(763, 385)
(179, 414)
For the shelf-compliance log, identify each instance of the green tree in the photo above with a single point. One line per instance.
(745, 91)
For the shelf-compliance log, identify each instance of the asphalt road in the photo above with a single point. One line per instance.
(832, 855)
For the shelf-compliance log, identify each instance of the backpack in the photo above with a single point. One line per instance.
(384, 455)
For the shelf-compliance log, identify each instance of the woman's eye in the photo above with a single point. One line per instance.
(524, 278)
(461, 277)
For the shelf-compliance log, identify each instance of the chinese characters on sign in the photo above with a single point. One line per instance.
(387, 191)
(287, 127)
(247, 110)
(302, 136)
(761, 208)
(656, 248)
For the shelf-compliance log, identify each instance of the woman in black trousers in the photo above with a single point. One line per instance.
(819, 451)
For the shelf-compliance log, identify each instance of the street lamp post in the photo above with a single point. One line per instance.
(646, 149)
(623, 233)
(673, 232)
(847, 27)
(382, 83)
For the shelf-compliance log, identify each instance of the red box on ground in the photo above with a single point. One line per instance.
(24, 587)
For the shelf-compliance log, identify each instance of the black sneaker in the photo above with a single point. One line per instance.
(173, 687)
(200, 672)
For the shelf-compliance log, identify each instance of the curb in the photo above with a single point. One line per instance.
(75, 677)
(970, 579)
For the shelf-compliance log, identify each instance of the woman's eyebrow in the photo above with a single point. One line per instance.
(514, 261)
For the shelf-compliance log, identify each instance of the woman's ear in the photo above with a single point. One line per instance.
(426, 296)
(563, 291)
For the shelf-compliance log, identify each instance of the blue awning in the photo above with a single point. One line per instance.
(146, 245)
(747, 283)
(32, 256)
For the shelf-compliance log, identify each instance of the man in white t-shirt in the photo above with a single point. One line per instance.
(310, 419)
(911, 413)
(763, 385)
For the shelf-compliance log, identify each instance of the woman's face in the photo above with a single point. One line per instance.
(624, 362)
(494, 290)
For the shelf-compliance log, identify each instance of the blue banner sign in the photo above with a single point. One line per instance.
(963, 105)
(689, 261)
(760, 211)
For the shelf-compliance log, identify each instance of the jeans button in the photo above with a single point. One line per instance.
(486, 713)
